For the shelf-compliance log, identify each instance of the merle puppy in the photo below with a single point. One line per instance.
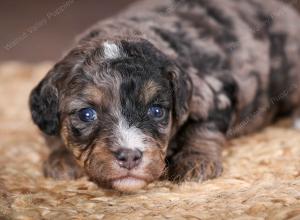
(159, 88)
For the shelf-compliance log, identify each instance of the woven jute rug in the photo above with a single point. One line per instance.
(261, 178)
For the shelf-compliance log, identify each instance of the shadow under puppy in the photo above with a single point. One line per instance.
(159, 88)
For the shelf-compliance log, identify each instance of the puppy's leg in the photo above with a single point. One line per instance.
(199, 157)
(61, 164)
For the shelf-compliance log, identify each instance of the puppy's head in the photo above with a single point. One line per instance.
(116, 105)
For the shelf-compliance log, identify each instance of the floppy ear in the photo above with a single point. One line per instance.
(44, 106)
(182, 93)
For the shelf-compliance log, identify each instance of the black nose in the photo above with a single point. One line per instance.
(128, 158)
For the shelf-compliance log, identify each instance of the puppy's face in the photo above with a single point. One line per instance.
(116, 111)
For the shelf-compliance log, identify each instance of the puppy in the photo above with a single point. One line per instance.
(157, 90)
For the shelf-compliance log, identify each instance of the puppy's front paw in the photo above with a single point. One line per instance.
(61, 165)
(194, 167)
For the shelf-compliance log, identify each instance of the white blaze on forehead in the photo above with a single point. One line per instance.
(111, 50)
(130, 136)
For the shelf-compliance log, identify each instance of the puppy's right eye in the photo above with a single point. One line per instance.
(87, 114)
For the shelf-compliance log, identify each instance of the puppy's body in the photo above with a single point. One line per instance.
(254, 44)
(217, 68)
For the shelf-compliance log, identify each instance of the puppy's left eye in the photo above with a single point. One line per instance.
(156, 112)
(87, 114)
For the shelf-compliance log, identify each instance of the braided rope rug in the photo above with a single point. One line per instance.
(261, 178)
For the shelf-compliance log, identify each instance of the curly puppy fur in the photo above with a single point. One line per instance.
(219, 69)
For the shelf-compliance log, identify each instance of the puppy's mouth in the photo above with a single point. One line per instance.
(129, 183)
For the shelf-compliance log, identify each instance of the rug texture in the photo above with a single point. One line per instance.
(261, 179)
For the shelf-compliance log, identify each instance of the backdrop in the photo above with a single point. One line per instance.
(35, 30)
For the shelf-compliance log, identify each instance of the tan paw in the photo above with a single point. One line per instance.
(198, 168)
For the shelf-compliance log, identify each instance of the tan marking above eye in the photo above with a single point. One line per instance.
(95, 94)
(148, 91)
(90, 94)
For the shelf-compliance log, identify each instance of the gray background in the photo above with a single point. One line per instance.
(39, 30)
